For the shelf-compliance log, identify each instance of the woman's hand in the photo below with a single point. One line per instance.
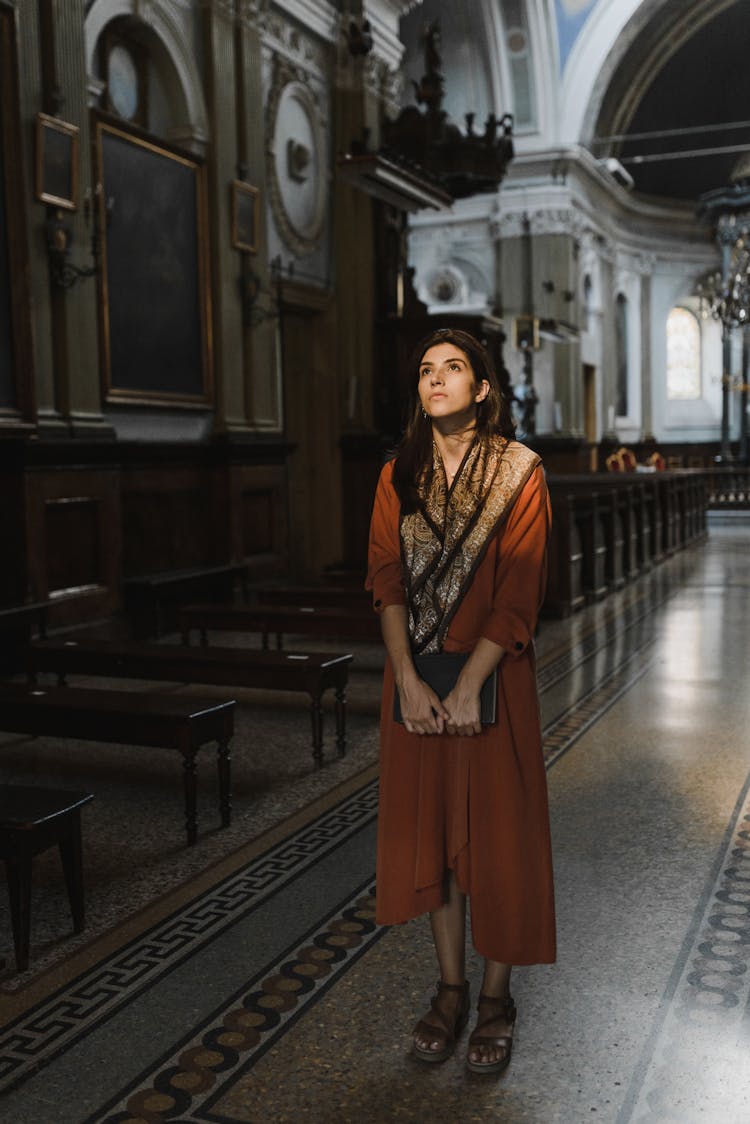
(464, 711)
(421, 709)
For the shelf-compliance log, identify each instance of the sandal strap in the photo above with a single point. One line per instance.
(448, 1026)
(505, 1008)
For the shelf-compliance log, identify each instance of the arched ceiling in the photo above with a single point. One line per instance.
(685, 76)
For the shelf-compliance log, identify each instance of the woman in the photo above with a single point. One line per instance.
(457, 563)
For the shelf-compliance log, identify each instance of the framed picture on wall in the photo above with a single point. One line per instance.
(56, 162)
(245, 216)
(154, 302)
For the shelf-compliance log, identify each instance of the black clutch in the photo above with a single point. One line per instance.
(440, 670)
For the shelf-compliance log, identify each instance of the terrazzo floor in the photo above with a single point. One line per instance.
(244, 980)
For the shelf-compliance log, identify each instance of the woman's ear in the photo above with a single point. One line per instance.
(484, 389)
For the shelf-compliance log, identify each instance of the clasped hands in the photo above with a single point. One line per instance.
(424, 712)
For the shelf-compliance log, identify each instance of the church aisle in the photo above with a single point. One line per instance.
(300, 1007)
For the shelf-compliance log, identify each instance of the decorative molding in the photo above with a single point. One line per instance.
(183, 75)
(301, 234)
(253, 13)
(297, 46)
(319, 17)
(385, 82)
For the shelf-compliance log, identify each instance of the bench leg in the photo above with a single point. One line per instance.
(223, 762)
(18, 872)
(316, 714)
(71, 853)
(341, 720)
(191, 821)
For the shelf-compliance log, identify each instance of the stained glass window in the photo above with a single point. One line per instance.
(683, 355)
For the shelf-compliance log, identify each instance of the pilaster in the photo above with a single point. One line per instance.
(221, 92)
(69, 388)
(263, 394)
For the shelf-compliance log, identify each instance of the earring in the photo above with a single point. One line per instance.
(424, 412)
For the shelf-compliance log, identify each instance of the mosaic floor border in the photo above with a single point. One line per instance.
(61, 1019)
(200, 1067)
(709, 986)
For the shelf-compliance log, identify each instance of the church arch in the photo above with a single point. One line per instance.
(185, 115)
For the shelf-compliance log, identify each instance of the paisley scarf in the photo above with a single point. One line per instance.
(445, 539)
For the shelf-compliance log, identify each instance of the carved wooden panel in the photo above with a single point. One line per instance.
(72, 535)
(73, 541)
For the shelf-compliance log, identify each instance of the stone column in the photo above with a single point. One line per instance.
(609, 352)
(647, 406)
(69, 385)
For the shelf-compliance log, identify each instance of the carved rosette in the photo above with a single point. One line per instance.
(297, 173)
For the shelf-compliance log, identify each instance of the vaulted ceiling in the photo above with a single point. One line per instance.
(677, 110)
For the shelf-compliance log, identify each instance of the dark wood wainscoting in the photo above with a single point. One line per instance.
(83, 517)
(73, 540)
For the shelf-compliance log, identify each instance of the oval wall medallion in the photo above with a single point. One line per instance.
(297, 173)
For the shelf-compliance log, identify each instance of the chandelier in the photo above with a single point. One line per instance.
(725, 293)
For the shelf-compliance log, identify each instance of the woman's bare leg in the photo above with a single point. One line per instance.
(495, 984)
(449, 934)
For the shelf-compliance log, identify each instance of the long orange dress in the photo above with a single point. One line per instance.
(475, 805)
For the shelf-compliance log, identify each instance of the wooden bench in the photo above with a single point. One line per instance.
(279, 619)
(311, 672)
(130, 718)
(18, 623)
(31, 821)
(150, 599)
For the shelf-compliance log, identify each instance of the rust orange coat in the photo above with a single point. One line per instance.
(478, 805)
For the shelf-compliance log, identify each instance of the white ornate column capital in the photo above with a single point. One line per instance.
(253, 14)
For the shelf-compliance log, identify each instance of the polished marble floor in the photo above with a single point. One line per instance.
(265, 992)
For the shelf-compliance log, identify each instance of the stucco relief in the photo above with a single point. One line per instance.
(253, 13)
(296, 151)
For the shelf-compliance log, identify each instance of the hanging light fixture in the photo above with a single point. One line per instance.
(725, 294)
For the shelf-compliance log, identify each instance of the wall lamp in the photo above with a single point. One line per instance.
(64, 274)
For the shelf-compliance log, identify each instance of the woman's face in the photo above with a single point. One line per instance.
(447, 386)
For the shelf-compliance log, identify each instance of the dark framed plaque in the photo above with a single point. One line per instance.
(56, 162)
(245, 216)
(154, 297)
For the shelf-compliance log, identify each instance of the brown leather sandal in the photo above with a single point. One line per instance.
(502, 1008)
(445, 1033)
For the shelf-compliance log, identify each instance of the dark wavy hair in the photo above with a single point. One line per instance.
(414, 453)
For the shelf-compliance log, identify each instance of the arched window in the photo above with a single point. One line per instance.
(623, 362)
(683, 355)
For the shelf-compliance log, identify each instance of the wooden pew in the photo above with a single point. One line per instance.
(564, 585)
(150, 599)
(311, 672)
(279, 619)
(130, 718)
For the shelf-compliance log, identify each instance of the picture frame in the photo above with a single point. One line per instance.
(57, 162)
(526, 333)
(245, 216)
(154, 255)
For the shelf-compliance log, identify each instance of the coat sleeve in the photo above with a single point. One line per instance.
(384, 575)
(521, 572)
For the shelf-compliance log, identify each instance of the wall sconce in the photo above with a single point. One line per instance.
(59, 235)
